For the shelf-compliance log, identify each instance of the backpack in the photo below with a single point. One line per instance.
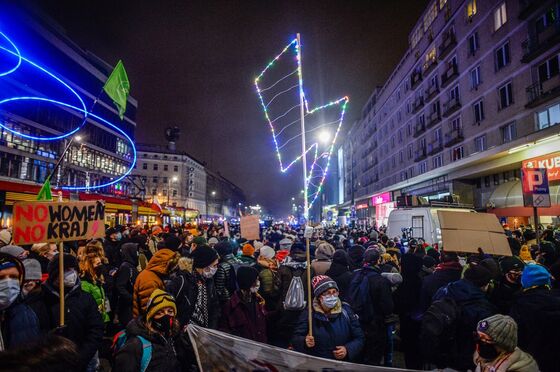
(120, 339)
(231, 284)
(438, 329)
(359, 295)
(295, 296)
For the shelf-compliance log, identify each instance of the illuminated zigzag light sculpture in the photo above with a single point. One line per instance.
(319, 157)
(13, 51)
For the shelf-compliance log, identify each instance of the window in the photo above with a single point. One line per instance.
(408, 106)
(154, 191)
(437, 135)
(502, 56)
(155, 179)
(164, 192)
(174, 193)
(430, 16)
(509, 132)
(496, 178)
(500, 16)
(454, 93)
(475, 77)
(473, 43)
(487, 181)
(400, 136)
(548, 69)
(549, 117)
(545, 20)
(401, 157)
(422, 167)
(478, 109)
(471, 8)
(437, 161)
(442, 3)
(175, 168)
(394, 161)
(455, 123)
(410, 151)
(165, 167)
(410, 172)
(480, 143)
(164, 179)
(144, 165)
(409, 129)
(506, 96)
(155, 167)
(457, 153)
(415, 38)
(430, 57)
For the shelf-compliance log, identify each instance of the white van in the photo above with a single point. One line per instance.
(420, 222)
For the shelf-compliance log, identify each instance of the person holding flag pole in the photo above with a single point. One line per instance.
(117, 88)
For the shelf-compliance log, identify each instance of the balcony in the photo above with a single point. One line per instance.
(449, 41)
(453, 137)
(537, 44)
(542, 92)
(433, 119)
(415, 79)
(527, 7)
(451, 106)
(451, 73)
(419, 128)
(429, 66)
(420, 154)
(417, 104)
(431, 92)
(435, 147)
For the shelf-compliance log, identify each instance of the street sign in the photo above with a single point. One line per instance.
(535, 187)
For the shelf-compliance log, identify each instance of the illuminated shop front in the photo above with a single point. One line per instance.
(383, 206)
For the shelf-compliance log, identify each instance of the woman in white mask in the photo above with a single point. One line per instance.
(336, 329)
(244, 314)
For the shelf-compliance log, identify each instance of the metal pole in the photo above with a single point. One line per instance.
(305, 202)
(352, 214)
(536, 218)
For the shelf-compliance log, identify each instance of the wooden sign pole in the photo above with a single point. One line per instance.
(61, 280)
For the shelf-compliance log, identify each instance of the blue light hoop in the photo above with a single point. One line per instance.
(83, 110)
(17, 54)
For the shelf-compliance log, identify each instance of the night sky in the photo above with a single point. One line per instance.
(192, 64)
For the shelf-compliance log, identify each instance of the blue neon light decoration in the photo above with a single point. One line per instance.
(16, 53)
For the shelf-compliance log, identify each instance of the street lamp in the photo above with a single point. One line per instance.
(174, 179)
(324, 136)
(213, 193)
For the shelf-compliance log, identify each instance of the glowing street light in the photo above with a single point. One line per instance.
(324, 136)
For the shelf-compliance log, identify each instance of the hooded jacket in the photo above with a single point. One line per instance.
(98, 294)
(444, 274)
(518, 361)
(223, 278)
(151, 278)
(245, 319)
(124, 283)
(270, 282)
(164, 355)
(537, 313)
(474, 307)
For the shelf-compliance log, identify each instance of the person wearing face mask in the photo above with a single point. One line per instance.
(496, 347)
(244, 314)
(83, 323)
(91, 279)
(508, 286)
(337, 333)
(112, 246)
(18, 322)
(156, 330)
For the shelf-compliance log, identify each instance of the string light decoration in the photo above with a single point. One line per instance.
(279, 96)
(11, 51)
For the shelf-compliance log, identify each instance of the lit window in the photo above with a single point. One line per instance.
(480, 143)
(471, 8)
(437, 161)
(509, 132)
(500, 16)
(475, 77)
(457, 153)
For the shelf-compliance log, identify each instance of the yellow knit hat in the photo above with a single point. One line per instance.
(525, 254)
(159, 300)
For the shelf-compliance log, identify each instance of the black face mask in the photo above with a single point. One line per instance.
(163, 324)
(486, 350)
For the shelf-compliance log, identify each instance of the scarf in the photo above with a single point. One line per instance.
(200, 313)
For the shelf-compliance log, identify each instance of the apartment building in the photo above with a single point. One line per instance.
(475, 97)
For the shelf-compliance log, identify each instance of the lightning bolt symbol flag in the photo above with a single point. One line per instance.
(279, 88)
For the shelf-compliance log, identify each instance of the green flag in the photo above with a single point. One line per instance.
(117, 87)
(45, 192)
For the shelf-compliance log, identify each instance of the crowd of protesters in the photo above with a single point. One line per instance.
(130, 296)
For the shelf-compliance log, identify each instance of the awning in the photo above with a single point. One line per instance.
(507, 201)
(12, 197)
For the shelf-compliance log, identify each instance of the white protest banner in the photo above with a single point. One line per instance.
(250, 227)
(219, 351)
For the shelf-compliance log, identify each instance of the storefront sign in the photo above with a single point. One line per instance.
(535, 187)
(550, 162)
(361, 206)
(42, 222)
(381, 198)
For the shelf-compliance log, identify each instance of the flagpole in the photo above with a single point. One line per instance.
(305, 201)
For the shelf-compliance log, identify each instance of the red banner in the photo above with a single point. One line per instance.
(550, 162)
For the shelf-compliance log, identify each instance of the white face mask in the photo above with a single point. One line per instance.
(209, 272)
(70, 278)
(255, 289)
(9, 291)
(330, 301)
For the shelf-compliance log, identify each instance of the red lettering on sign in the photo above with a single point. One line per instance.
(41, 213)
(21, 235)
(38, 232)
(25, 211)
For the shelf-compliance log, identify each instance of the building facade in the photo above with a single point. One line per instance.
(171, 177)
(103, 154)
(223, 198)
(475, 96)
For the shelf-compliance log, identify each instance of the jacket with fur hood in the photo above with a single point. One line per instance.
(518, 361)
(152, 278)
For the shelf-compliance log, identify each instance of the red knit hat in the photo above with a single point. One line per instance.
(321, 283)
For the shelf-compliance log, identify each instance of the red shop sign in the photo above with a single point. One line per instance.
(550, 162)
(381, 198)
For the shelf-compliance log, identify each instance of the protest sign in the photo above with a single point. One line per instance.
(42, 221)
(219, 351)
(250, 227)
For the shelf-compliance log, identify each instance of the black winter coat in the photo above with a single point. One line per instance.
(444, 274)
(407, 296)
(342, 275)
(537, 313)
(84, 325)
(185, 290)
(164, 356)
(112, 252)
(380, 294)
(124, 281)
(503, 294)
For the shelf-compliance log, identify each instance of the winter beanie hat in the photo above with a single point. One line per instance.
(5, 237)
(508, 264)
(203, 256)
(246, 277)
(199, 240)
(172, 242)
(267, 252)
(502, 329)
(341, 257)
(7, 261)
(223, 248)
(428, 262)
(32, 269)
(321, 283)
(535, 276)
(248, 250)
(14, 250)
(478, 275)
(324, 251)
(371, 255)
(159, 300)
(212, 241)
